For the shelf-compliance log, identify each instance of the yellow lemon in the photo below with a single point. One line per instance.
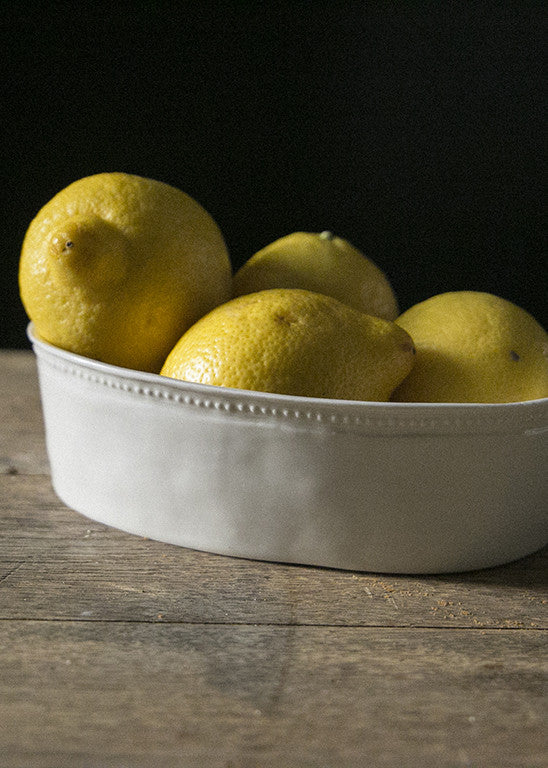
(116, 267)
(323, 263)
(474, 347)
(294, 342)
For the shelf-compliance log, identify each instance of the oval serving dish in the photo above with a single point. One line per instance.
(385, 487)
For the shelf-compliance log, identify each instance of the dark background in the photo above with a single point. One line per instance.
(414, 130)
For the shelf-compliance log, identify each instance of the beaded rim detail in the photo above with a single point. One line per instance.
(492, 418)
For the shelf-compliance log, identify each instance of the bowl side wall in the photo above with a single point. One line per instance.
(183, 471)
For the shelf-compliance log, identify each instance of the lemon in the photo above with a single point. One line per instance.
(323, 263)
(474, 347)
(116, 267)
(295, 342)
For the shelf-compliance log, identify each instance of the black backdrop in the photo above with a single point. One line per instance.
(415, 130)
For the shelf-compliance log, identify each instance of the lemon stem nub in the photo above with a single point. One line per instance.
(327, 235)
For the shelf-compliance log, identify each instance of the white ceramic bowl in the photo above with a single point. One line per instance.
(386, 487)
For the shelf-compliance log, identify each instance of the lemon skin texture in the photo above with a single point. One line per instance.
(323, 263)
(474, 347)
(294, 342)
(116, 267)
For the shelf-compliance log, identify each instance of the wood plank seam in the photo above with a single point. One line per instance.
(304, 625)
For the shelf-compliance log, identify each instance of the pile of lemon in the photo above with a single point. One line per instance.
(135, 273)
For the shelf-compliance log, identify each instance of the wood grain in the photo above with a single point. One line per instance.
(121, 652)
(194, 695)
(22, 444)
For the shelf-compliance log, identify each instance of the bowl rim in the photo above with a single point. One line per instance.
(526, 415)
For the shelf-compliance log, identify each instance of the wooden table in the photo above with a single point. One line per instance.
(117, 651)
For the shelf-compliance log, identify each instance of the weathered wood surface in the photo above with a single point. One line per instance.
(119, 651)
(22, 444)
(224, 696)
